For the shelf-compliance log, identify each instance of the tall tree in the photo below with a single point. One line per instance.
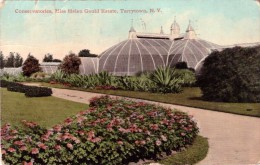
(31, 65)
(70, 64)
(48, 57)
(18, 60)
(10, 60)
(2, 62)
(86, 53)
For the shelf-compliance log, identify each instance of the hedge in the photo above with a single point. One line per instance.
(30, 91)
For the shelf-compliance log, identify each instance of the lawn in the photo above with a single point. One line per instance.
(189, 97)
(46, 111)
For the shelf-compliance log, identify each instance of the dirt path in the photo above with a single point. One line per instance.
(233, 139)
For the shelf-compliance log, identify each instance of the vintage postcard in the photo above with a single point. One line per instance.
(107, 82)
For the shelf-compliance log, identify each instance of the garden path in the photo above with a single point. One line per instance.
(233, 139)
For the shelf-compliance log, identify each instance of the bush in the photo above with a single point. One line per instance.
(30, 66)
(111, 132)
(4, 83)
(134, 83)
(40, 75)
(70, 64)
(37, 91)
(16, 87)
(58, 76)
(165, 81)
(30, 91)
(231, 75)
(187, 76)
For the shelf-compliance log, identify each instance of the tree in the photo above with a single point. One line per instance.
(231, 75)
(2, 62)
(56, 60)
(10, 60)
(48, 57)
(70, 64)
(86, 53)
(18, 60)
(31, 65)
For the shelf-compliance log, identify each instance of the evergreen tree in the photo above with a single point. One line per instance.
(10, 60)
(48, 58)
(18, 60)
(2, 62)
(31, 65)
(86, 53)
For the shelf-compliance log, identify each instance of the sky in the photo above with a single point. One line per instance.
(223, 22)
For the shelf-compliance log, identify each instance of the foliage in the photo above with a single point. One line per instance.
(14, 60)
(165, 81)
(187, 76)
(231, 75)
(10, 61)
(56, 60)
(30, 66)
(58, 76)
(181, 65)
(48, 57)
(105, 78)
(117, 132)
(18, 61)
(14, 78)
(134, 84)
(2, 62)
(162, 80)
(33, 91)
(70, 64)
(16, 87)
(30, 91)
(3, 83)
(86, 53)
(40, 75)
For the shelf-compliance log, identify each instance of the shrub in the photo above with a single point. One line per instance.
(165, 81)
(30, 91)
(105, 78)
(39, 75)
(37, 91)
(134, 83)
(187, 76)
(16, 87)
(30, 66)
(70, 64)
(111, 132)
(58, 76)
(3, 83)
(231, 75)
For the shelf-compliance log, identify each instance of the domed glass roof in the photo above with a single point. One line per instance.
(89, 65)
(134, 55)
(192, 51)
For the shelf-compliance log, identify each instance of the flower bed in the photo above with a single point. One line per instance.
(111, 131)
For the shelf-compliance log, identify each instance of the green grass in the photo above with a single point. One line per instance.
(191, 155)
(189, 97)
(46, 111)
